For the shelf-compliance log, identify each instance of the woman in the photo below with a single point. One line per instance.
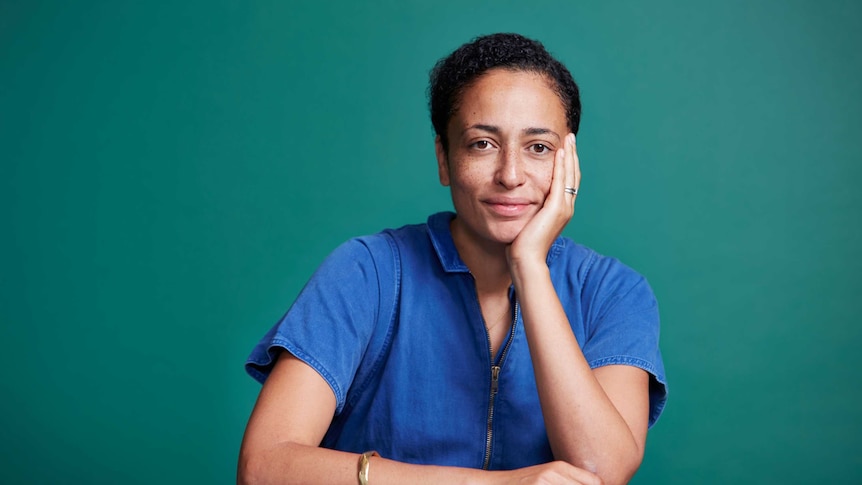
(480, 347)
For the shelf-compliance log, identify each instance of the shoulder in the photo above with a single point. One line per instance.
(372, 247)
(589, 266)
(413, 241)
(604, 283)
(406, 233)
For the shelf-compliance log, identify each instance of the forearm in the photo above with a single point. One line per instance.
(290, 463)
(584, 428)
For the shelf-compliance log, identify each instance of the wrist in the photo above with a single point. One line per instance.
(364, 467)
(522, 270)
(480, 477)
(521, 258)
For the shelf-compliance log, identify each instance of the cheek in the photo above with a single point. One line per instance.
(543, 178)
(466, 175)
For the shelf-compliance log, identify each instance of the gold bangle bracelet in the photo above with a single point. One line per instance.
(364, 464)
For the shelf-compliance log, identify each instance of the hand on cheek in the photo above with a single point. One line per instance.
(534, 241)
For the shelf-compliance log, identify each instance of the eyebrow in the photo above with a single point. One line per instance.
(488, 128)
(527, 131)
(541, 131)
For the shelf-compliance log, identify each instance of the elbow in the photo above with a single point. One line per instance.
(264, 463)
(261, 465)
(613, 469)
(622, 468)
(626, 471)
(249, 469)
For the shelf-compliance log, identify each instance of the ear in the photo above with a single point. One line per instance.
(442, 162)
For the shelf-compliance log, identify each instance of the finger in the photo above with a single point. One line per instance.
(576, 169)
(584, 477)
(573, 474)
(571, 161)
(558, 183)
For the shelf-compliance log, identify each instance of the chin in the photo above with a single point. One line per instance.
(506, 232)
(488, 230)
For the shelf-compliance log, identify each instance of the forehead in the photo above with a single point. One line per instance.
(511, 99)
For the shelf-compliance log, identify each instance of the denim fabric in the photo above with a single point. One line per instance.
(392, 322)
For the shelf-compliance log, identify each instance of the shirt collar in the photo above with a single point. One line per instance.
(444, 245)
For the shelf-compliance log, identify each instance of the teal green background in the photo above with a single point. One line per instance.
(173, 172)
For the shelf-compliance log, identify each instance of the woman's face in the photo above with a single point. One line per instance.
(500, 160)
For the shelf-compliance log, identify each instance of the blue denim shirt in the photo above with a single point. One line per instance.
(392, 322)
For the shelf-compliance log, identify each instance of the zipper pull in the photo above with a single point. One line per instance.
(495, 378)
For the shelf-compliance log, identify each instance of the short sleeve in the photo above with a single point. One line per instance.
(623, 326)
(330, 324)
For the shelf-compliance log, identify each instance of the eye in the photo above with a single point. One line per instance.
(482, 145)
(539, 149)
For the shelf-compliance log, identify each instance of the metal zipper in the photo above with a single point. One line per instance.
(495, 386)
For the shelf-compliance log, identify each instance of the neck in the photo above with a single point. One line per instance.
(486, 260)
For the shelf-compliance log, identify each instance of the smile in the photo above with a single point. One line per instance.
(508, 207)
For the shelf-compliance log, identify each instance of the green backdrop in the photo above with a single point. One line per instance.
(172, 173)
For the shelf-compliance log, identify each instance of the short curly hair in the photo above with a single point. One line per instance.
(453, 74)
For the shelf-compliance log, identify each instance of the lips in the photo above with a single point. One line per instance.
(508, 206)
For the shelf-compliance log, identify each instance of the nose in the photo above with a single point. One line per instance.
(510, 168)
